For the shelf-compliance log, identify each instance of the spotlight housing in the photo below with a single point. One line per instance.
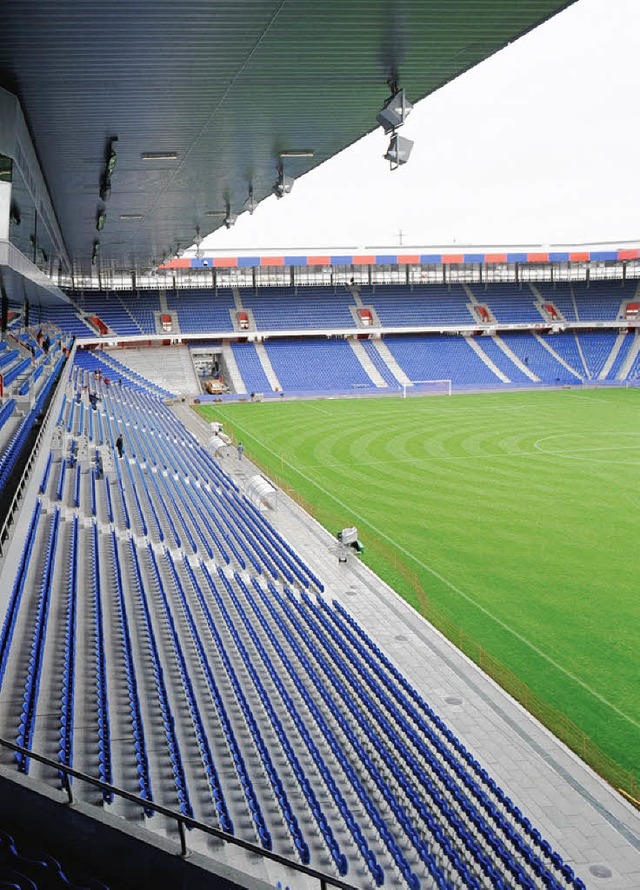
(398, 151)
(284, 184)
(250, 203)
(394, 112)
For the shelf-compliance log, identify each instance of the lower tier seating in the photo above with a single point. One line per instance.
(187, 654)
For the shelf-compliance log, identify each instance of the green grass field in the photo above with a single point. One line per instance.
(518, 514)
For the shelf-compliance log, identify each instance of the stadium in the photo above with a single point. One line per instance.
(317, 564)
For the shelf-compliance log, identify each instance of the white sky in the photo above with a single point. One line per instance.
(539, 145)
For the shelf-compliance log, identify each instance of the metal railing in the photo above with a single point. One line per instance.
(182, 822)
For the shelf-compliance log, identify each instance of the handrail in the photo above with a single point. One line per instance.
(181, 820)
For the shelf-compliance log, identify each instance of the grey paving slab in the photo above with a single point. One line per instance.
(592, 826)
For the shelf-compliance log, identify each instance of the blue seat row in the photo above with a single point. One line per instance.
(133, 488)
(251, 536)
(428, 772)
(34, 667)
(65, 748)
(168, 721)
(269, 529)
(337, 855)
(451, 862)
(45, 474)
(18, 440)
(8, 356)
(352, 824)
(483, 788)
(267, 762)
(227, 729)
(105, 773)
(8, 626)
(234, 749)
(7, 410)
(201, 735)
(137, 725)
(28, 868)
(19, 368)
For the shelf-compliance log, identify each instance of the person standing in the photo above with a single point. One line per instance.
(240, 450)
(120, 445)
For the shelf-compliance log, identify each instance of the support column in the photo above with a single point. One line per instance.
(6, 175)
(4, 305)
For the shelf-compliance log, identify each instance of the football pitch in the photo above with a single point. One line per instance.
(514, 518)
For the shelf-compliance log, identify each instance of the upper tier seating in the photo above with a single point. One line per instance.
(68, 320)
(600, 300)
(561, 296)
(143, 305)
(284, 308)
(202, 311)
(509, 302)
(434, 304)
(113, 310)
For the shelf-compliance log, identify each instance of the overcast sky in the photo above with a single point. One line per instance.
(538, 145)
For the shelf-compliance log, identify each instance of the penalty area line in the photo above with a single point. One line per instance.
(461, 593)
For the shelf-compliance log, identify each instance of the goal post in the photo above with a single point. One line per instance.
(426, 388)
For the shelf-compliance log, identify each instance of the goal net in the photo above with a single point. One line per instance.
(426, 388)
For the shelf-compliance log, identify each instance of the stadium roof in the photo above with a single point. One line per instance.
(219, 89)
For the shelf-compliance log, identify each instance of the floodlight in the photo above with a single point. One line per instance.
(284, 184)
(297, 153)
(250, 203)
(394, 112)
(398, 151)
(159, 155)
(198, 242)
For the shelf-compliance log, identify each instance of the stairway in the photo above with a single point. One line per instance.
(516, 361)
(391, 363)
(267, 367)
(615, 349)
(237, 299)
(479, 351)
(630, 358)
(367, 365)
(231, 371)
(556, 356)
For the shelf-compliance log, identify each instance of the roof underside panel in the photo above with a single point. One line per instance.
(226, 85)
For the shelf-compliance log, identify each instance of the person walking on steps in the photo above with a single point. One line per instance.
(120, 445)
